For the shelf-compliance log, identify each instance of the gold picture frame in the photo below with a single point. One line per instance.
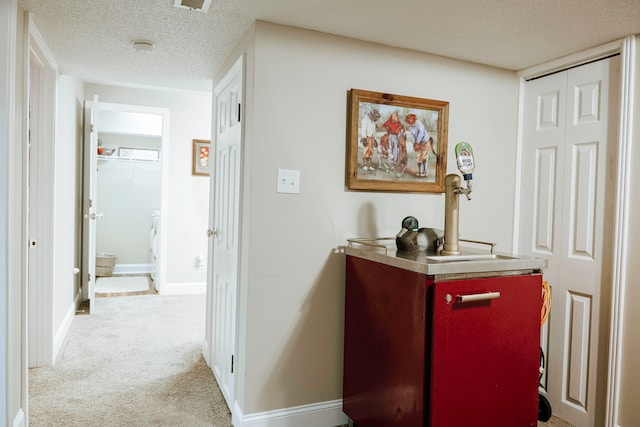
(383, 151)
(201, 157)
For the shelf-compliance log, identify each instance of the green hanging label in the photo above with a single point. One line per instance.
(464, 158)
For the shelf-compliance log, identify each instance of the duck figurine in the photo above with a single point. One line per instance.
(413, 239)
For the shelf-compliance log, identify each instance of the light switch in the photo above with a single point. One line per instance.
(288, 181)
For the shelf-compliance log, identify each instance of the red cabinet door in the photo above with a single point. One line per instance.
(384, 345)
(485, 352)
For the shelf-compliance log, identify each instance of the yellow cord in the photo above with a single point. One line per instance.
(546, 302)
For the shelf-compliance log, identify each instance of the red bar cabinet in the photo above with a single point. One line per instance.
(440, 351)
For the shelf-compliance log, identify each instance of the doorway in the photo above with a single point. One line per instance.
(125, 191)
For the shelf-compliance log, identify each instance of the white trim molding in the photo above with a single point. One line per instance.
(62, 331)
(518, 178)
(8, 30)
(39, 47)
(20, 420)
(574, 60)
(323, 414)
(620, 238)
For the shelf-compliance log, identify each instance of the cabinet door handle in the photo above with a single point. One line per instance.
(461, 299)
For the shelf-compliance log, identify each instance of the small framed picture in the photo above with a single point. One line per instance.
(396, 143)
(200, 162)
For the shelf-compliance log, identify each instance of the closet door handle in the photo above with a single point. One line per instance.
(212, 233)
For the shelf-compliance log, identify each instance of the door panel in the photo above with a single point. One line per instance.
(568, 131)
(485, 352)
(578, 323)
(546, 159)
(583, 205)
(225, 239)
(89, 208)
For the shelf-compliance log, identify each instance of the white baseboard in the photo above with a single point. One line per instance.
(205, 352)
(324, 414)
(19, 420)
(187, 288)
(62, 331)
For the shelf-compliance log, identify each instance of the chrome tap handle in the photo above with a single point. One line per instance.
(466, 191)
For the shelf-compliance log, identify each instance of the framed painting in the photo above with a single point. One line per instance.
(396, 143)
(200, 163)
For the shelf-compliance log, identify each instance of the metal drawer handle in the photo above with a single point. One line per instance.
(477, 297)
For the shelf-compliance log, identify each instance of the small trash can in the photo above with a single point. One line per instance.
(105, 264)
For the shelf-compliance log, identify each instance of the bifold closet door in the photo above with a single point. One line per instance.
(569, 141)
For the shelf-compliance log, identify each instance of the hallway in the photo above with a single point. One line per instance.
(136, 361)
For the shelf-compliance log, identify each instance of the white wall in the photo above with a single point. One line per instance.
(127, 122)
(188, 195)
(292, 281)
(67, 204)
(128, 192)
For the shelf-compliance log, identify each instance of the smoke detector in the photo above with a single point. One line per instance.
(199, 5)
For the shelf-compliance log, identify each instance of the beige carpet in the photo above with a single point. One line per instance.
(137, 362)
(555, 422)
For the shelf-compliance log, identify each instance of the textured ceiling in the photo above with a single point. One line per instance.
(91, 39)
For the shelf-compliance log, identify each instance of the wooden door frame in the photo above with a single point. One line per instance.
(626, 48)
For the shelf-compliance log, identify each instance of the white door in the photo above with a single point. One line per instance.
(39, 216)
(224, 242)
(570, 134)
(89, 208)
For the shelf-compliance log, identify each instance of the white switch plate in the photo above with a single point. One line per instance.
(288, 181)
